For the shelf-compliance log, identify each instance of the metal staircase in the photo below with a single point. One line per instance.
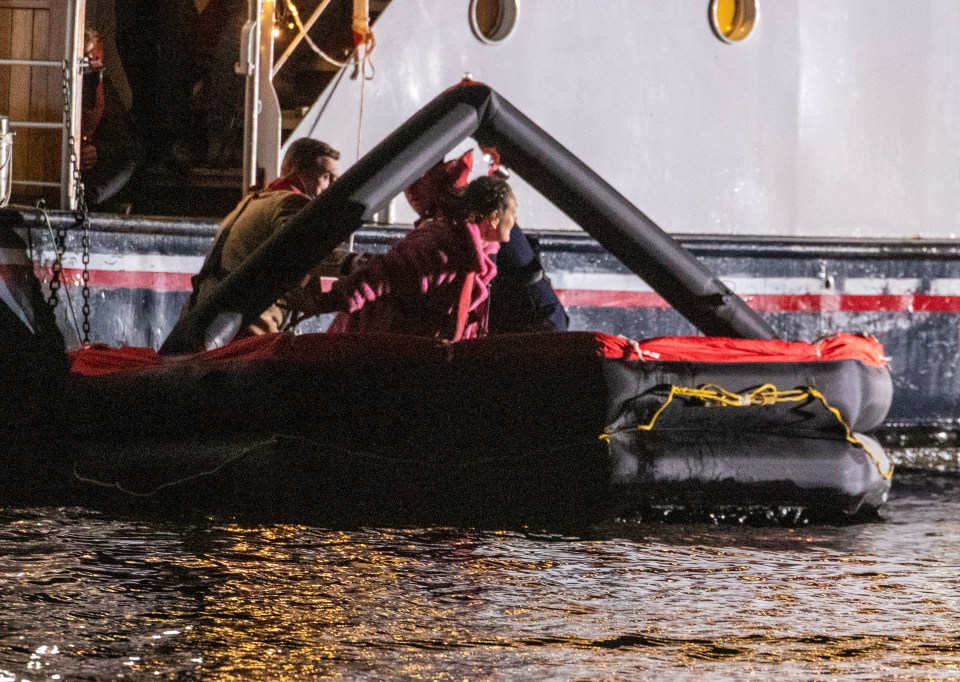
(290, 51)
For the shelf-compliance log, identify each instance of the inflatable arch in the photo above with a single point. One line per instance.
(475, 110)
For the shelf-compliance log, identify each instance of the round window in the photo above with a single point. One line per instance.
(493, 21)
(733, 20)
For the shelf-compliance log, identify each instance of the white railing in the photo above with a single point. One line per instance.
(6, 161)
(70, 124)
(262, 128)
(263, 122)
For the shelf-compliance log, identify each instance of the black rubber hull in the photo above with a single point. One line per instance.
(525, 429)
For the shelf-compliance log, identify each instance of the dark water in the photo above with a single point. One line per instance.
(86, 596)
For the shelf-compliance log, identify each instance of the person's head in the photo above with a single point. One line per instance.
(491, 204)
(313, 163)
(440, 187)
(93, 47)
(92, 102)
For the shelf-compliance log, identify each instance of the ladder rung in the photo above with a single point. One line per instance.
(36, 183)
(36, 124)
(29, 62)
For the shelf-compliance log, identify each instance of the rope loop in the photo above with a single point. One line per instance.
(762, 396)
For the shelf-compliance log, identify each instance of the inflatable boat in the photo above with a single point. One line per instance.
(387, 429)
(512, 427)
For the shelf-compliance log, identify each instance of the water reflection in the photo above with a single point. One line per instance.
(87, 596)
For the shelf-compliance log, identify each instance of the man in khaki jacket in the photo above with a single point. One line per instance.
(308, 168)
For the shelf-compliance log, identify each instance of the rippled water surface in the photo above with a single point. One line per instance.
(88, 596)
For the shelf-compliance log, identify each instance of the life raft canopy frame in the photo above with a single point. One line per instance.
(467, 110)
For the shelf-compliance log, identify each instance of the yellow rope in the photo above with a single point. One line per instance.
(888, 473)
(767, 394)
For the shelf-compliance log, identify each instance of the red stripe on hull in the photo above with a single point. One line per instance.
(587, 298)
(591, 298)
(855, 303)
(794, 303)
(124, 279)
(936, 304)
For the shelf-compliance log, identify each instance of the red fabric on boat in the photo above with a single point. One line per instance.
(866, 349)
(101, 360)
(98, 360)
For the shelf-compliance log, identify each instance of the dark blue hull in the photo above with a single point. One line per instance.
(907, 294)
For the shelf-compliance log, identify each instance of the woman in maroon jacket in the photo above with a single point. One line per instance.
(434, 282)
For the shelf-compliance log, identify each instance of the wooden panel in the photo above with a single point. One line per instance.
(58, 29)
(33, 29)
(57, 20)
(27, 4)
(21, 47)
(41, 165)
(6, 26)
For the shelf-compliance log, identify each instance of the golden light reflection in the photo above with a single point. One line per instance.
(293, 602)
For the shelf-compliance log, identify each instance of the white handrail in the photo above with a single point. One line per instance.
(263, 120)
(51, 125)
(271, 119)
(70, 148)
(29, 62)
(6, 161)
(249, 66)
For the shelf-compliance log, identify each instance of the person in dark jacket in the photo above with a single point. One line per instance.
(522, 298)
(157, 44)
(109, 151)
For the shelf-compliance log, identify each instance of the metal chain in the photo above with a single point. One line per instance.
(85, 259)
(83, 217)
(56, 268)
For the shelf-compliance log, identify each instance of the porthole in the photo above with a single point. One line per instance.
(493, 21)
(733, 20)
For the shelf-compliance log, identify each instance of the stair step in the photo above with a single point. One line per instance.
(207, 192)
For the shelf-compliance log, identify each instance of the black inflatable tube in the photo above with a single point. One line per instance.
(684, 468)
(416, 145)
(374, 427)
(618, 225)
(329, 220)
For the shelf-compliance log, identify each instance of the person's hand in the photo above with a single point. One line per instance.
(91, 195)
(304, 303)
(358, 261)
(270, 321)
(298, 300)
(88, 156)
